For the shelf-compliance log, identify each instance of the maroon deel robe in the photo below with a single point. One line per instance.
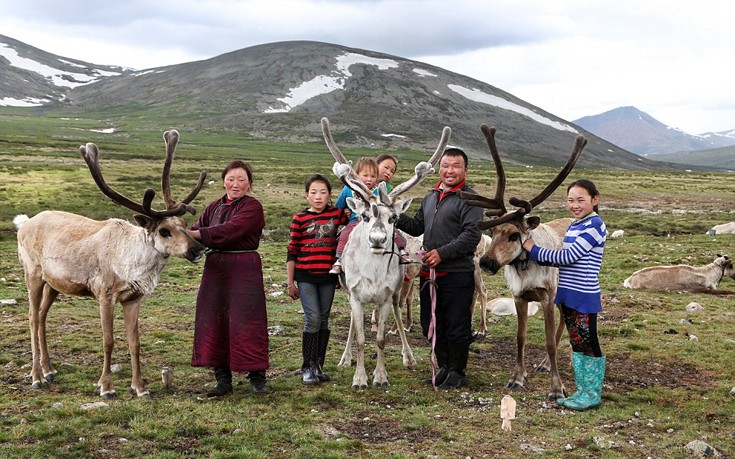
(231, 326)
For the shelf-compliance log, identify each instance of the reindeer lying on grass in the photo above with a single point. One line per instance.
(527, 280)
(682, 277)
(370, 265)
(112, 261)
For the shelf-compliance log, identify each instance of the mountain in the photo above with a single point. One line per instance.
(642, 134)
(279, 91)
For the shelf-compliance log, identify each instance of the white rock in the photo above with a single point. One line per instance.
(694, 307)
(116, 368)
(617, 233)
(702, 449)
(693, 338)
(93, 406)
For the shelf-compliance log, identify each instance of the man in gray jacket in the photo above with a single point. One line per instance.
(451, 235)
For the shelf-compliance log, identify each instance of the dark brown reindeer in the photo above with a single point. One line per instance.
(112, 261)
(527, 280)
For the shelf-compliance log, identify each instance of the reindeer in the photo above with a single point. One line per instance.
(682, 277)
(112, 261)
(527, 280)
(370, 265)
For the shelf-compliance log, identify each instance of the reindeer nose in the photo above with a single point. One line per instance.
(489, 266)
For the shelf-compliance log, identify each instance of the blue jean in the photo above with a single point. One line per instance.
(316, 301)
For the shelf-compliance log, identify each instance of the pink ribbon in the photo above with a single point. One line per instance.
(432, 325)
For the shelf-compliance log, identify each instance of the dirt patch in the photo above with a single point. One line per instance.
(380, 429)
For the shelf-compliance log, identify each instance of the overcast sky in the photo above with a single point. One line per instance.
(674, 60)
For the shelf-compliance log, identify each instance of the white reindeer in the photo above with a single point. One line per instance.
(369, 261)
(112, 261)
(682, 277)
(527, 280)
(725, 228)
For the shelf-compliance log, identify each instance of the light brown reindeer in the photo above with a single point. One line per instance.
(112, 261)
(370, 265)
(527, 280)
(682, 277)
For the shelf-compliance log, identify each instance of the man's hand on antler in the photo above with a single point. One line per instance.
(423, 169)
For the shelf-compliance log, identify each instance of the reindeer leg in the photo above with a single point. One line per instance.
(380, 375)
(346, 360)
(409, 361)
(49, 296)
(359, 380)
(374, 321)
(104, 385)
(130, 315)
(557, 388)
(409, 315)
(35, 294)
(518, 378)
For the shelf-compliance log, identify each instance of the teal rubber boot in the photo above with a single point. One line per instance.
(589, 373)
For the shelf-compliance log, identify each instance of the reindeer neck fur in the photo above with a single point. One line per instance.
(371, 276)
(530, 275)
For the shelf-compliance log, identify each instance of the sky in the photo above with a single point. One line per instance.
(672, 59)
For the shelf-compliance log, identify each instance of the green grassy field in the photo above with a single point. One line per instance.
(663, 389)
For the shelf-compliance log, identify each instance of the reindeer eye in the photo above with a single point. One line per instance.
(392, 219)
(514, 237)
(164, 232)
(365, 217)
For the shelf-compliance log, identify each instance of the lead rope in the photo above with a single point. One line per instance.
(432, 325)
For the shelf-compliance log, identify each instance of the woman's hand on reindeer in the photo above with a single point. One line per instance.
(528, 244)
(432, 258)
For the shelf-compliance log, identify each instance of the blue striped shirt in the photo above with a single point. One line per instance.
(579, 263)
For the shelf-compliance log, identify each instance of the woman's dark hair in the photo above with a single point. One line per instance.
(238, 164)
(318, 178)
(587, 185)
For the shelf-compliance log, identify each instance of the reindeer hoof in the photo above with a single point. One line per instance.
(514, 385)
(359, 386)
(50, 377)
(478, 337)
(109, 395)
(380, 384)
(145, 394)
(39, 384)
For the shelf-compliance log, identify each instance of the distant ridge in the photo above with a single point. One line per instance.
(640, 133)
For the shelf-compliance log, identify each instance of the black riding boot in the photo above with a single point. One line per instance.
(309, 352)
(257, 380)
(224, 382)
(441, 351)
(321, 354)
(458, 354)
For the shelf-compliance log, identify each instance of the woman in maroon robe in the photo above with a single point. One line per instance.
(231, 326)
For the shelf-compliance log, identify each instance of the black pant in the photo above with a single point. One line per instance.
(453, 306)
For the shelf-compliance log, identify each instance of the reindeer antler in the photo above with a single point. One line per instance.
(423, 169)
(342, 168)
(90, 153)
(496, 205)
(171, 138)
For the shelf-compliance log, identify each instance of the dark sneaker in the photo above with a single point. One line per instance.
(259, 387)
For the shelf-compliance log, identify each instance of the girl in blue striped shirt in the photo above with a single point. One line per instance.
(578, 292)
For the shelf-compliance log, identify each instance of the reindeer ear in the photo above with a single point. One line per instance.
(143, 220)
(402, 205)
(356, 205)
(532, 222)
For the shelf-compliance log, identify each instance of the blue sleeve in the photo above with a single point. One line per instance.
(342, 199)
(579, 247)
